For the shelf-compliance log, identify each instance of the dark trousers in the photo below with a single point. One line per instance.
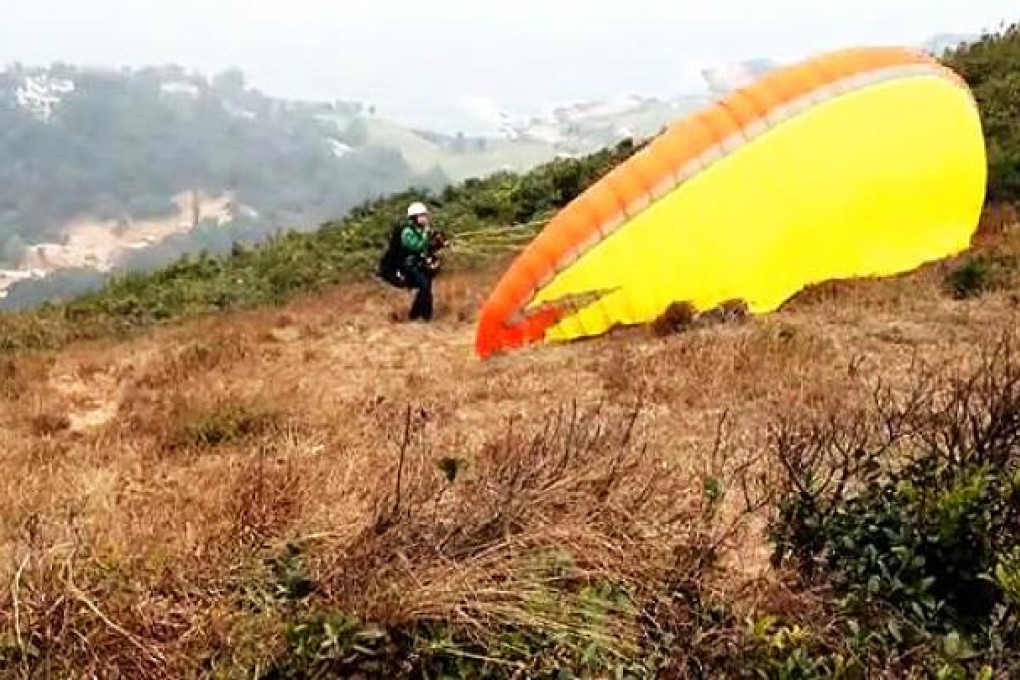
(421, 308)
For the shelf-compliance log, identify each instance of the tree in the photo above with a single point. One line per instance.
(229, 83)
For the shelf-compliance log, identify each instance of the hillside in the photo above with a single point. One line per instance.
(346, 248)
(248, 466)
(231, 494)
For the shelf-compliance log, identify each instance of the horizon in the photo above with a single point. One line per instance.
(315, 51)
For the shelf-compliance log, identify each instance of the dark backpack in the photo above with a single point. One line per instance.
(390, 267)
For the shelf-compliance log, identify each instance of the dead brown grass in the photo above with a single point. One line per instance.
(19, 375)
(575, 486)
(144, 484)
(997, 219)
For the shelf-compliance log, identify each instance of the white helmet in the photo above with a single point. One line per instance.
(416, 209)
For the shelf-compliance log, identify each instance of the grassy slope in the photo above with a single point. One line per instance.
(422, 155)
(151, 486)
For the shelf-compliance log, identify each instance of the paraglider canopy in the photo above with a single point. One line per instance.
(862, 162)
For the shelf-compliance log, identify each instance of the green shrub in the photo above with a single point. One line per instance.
(910, 511)
(970, 279)
(226, 422)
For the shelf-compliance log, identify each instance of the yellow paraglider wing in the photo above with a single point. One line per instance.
(860, 163)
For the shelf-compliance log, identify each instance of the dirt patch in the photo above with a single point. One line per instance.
(98, 244)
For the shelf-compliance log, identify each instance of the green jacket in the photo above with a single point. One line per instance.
(414, 239)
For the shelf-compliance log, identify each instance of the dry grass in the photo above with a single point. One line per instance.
(149, 488)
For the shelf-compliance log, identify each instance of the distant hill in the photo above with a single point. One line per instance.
(722, 80)
(109, 144)
(125, 146)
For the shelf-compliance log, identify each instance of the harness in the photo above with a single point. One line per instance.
(397, 259)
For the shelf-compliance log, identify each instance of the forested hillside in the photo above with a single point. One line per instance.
(121, 144)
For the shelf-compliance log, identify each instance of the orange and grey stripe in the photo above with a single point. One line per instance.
(687, 148)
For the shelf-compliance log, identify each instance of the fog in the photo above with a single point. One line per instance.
(432, 63)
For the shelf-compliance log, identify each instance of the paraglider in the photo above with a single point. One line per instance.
(859, 163)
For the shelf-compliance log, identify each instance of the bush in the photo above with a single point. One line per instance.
(970, 279)
(519, 561)
(910, 511)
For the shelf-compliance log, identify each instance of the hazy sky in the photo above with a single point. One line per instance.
(420, 58)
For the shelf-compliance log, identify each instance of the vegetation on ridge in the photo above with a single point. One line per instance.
(989, 66)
